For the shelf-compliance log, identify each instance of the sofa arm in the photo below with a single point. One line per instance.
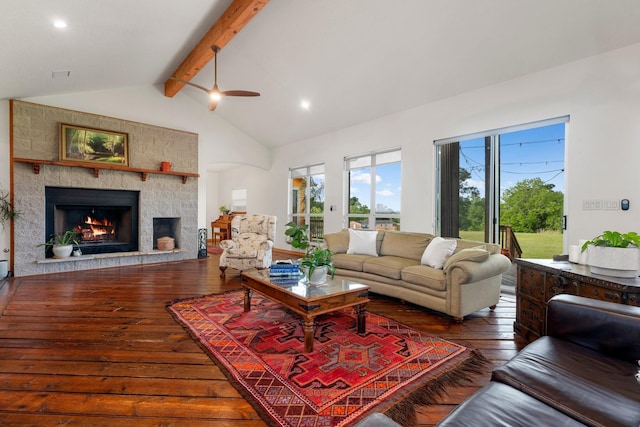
(606, 327)
(463, 272)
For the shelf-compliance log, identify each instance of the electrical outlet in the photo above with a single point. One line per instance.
(591, 205)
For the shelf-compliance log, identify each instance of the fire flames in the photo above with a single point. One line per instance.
(94, 230)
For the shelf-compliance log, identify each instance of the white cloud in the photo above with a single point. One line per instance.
(363, 177)
(385, 193)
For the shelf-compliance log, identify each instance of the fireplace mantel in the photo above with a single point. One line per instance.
(96, 168)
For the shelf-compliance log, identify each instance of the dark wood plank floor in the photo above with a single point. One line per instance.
(98, 348)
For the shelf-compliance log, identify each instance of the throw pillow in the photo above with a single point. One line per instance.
(437, 252)
(362, 242)
(338, 242)
(477, 254)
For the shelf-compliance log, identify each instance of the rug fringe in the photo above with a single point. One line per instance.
(431, 393)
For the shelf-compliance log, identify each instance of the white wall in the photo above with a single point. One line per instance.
(4, 172)
(601, 94)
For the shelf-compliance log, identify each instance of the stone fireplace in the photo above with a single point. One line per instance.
(105, 221)
(119, 214)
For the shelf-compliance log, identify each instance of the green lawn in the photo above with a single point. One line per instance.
(534, 245)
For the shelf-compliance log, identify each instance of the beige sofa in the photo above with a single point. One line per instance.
(468, 281)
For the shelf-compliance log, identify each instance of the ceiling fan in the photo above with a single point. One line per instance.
(215, 94)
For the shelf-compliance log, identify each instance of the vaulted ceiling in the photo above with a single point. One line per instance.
(353, 60)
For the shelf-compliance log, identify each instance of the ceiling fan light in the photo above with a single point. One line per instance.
(216, 96)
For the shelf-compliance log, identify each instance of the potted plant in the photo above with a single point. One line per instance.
(614, 254)
(223, 210)
(7, 213)
(297, 235)
(316, 264)
(316, 261)
(61, 244)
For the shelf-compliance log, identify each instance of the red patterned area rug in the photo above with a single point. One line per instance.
(214, 249)
(389, 368)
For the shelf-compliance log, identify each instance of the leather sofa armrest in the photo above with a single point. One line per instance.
(606, 327)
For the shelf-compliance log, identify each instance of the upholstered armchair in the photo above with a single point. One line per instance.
(252, 239)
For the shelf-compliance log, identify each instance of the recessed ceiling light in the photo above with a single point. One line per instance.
(59, 23)
(305, 104)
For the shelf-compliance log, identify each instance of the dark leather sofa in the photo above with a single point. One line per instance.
(583, 372)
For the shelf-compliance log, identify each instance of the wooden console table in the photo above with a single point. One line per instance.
(540, 279)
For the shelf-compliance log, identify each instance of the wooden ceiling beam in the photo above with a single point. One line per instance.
(237, 15)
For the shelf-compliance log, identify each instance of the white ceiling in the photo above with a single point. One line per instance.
(354, 60)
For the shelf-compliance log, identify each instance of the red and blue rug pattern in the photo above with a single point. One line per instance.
(347, 376)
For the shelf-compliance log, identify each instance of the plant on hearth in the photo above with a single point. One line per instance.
(66, 238)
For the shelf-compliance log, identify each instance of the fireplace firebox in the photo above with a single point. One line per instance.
(104, 220)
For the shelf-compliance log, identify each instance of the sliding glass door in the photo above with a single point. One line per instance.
(506, 180)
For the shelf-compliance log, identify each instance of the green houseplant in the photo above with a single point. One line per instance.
(61, 243)
(614, 239)
(614, 254)
(316, 261)
(297, 234)
(7, 212)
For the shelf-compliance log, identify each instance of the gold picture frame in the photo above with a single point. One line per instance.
(82, 144)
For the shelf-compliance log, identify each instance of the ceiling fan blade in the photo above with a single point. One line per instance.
(239, 93)
(191, 84)
(213, 103)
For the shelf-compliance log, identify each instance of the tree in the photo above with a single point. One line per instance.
(471, 216)
(532, 206)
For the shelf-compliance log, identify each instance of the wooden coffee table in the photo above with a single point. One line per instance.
(308, 301)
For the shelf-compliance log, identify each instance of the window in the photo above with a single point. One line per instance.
(239, 200)
(504, 180)
(307, 199)
(374, 188)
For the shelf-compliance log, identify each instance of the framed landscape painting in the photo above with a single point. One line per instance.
(93, 145)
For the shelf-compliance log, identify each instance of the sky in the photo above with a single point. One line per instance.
(524, 154)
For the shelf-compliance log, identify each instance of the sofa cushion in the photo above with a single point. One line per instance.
(498, 404)
(580, 382)
(477, 254)
(362, 242)
(338, 242)
(387, 266)
(426, 276)
(437, 252)
(404, 244)
(349, 262)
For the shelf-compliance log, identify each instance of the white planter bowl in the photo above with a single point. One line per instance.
(618, 262)
(318, 277)
(62, 251)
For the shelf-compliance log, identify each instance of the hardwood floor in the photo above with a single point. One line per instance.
(99, 348)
